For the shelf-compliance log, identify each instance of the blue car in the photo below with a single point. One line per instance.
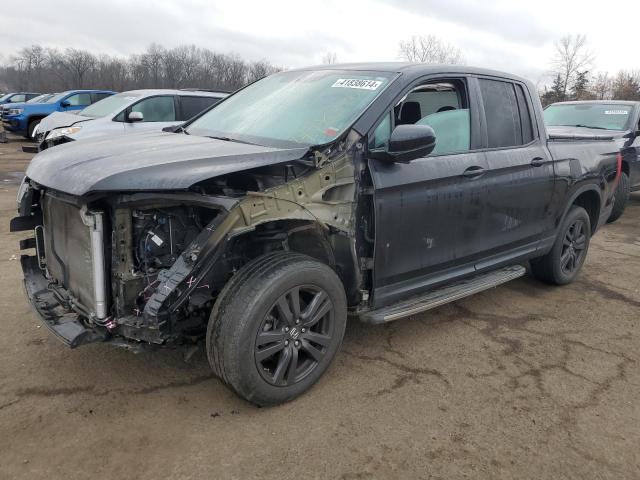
(24, 118)
(17, 97)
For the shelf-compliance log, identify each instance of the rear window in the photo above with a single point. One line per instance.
(502, 113)
(606, 116)
(191, 106)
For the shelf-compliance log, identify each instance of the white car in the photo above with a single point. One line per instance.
(135, 111)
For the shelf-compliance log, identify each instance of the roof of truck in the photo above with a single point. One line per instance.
(170, 91)
(414, 69)
(605, 102)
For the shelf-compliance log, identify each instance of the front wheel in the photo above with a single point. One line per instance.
(276, 327)
(563, 263)
(32, 126)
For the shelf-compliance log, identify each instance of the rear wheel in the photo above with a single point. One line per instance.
(621, 198)
(563, 263)
(276, 327)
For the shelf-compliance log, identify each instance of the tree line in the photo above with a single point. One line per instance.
(573, 77)
(42, 69)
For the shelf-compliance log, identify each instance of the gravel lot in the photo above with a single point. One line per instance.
(522, 381)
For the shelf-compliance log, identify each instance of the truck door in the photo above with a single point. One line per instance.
(520, 179)
(429, 212)
(77, 101)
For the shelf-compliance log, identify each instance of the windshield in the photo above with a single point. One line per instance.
(293, 108)
(111, 104)
(4, 97)
(57, 97)
(40, 98)
(609, 116)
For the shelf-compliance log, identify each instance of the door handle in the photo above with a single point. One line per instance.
(537, 162)
(473, 172)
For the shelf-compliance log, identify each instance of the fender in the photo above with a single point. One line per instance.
(579, 191)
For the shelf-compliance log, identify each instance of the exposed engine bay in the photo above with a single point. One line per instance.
(152, 264)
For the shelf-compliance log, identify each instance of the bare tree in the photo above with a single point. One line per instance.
(571, 58)
(626, 85)
(261, 69)
(330, 58)
(78, 63)
(429, 49)
(602, 86)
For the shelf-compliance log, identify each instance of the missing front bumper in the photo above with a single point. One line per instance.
(61, 322)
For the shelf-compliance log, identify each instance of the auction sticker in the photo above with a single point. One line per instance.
(357, 83)
(616, 112)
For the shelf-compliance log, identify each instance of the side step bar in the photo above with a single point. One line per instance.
(443, 295)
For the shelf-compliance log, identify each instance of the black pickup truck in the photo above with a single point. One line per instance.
(375, 190)
(616, 122)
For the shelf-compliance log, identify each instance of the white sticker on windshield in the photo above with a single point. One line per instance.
(616, 112)
(357, 83)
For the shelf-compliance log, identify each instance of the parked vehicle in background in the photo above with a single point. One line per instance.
(17, 97)
(24, 119)
(382, 190)
(602, 120)
(127, 112)
(7, 107)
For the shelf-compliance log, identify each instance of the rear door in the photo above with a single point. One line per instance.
(520, 177)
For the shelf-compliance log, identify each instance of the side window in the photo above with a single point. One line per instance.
(191, 106)
(18, 98)
(444, 106)
(525, 116)
(100, 96)
(382, 133)
(79, 100)
(502, 114)
(156, 109)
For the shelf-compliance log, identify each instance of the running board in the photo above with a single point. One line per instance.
(443, 295)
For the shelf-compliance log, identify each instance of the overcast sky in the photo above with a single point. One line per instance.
(515, 36)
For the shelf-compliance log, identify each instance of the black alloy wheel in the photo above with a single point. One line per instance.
(294, 335)
(573, 247)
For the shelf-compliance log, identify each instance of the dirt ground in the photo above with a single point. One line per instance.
(522, 381)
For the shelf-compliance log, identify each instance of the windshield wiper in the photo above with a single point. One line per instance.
(229, 139)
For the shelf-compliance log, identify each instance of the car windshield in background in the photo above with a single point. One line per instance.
(56, 97)
(111, 104)
(300, 108)
(608, 116)
(40, 98)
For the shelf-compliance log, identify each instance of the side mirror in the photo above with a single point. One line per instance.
(65, 104)
(407, 142)
(136, 117)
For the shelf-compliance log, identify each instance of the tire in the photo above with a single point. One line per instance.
(254, 343)
(621, 197)
(563, 263)
(32, 126)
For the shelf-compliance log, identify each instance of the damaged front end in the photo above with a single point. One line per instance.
(146, 268)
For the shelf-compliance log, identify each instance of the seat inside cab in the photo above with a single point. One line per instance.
(442, 106)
